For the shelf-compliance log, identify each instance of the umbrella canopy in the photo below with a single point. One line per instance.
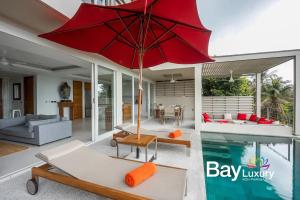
(169, 31)
(138, 35)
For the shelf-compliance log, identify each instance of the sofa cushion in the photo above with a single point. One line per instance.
(261, 119)
(32, 124)
(265, 122)
(10, 122)
(17, 131)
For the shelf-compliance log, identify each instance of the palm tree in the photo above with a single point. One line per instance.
(276, 94)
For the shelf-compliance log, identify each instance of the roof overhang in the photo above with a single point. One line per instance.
(242, 67)
(33, 14)
(240, 64)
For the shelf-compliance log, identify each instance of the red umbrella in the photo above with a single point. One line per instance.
(138, 35)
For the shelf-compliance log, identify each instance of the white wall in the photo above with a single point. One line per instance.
(47, 90)
(187, 102)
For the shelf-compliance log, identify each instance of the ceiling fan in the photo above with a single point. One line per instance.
(4, 61)
(10, 64)
(172, 79)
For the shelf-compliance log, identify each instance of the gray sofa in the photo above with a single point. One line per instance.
(35, 129)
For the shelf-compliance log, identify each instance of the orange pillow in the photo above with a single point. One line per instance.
(140, 174)
(175, 134)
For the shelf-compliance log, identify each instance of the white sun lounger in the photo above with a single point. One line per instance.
(162, 136)
(89, 170)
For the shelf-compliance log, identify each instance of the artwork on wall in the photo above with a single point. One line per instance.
(17, 91)
(65, 92)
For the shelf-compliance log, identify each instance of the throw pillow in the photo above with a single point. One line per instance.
(253, 118)
(242, 116)
(205, 116)
(228, 116)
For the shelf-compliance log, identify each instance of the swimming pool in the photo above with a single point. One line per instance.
(251, 167)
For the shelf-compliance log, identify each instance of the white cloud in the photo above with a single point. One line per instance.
(253, 26)
(275, 27)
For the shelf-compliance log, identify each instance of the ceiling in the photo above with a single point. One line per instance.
(242, 67)
(28, 58)
(215, 69)
(162, 75)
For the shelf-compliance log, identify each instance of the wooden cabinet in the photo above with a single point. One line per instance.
(77, 99)
(62, 105)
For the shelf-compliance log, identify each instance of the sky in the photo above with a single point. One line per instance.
(247, 26)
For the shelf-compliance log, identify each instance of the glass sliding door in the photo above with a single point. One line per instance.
(105, 90)
(127, 99)
(145, 101)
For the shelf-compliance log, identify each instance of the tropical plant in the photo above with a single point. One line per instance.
(277, 96)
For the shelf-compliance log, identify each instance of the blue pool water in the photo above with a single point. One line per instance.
(266, 167)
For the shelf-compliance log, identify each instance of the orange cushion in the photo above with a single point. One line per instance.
(140, 174)
(175, 134)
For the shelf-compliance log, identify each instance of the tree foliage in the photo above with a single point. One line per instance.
(222, 87)
(277, 97)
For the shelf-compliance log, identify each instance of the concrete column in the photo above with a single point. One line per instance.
(119, 98)
(258, 94)
(149, 100)
(83, 99)
(297, 95)
(95, 111)
(198, 97)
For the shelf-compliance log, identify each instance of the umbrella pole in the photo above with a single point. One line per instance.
(140, 93)
(141, 54)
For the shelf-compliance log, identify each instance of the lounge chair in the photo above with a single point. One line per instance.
(162, 136)
(81, 167)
